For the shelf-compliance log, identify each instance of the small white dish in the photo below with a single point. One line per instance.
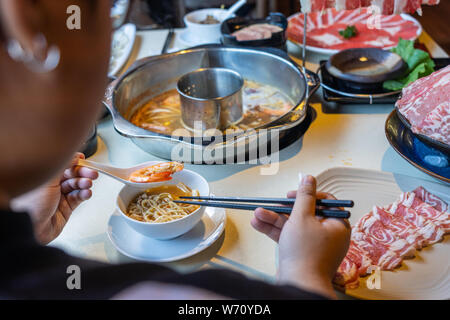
(137, 246)
(121, 48)
(171, 229)
(204, 33)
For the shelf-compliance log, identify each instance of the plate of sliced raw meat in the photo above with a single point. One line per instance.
(400, 228)
(372, 31)
(385, 7)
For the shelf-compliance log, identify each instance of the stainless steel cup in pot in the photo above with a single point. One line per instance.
(211, 98)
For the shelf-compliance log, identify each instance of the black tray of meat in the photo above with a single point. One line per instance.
(419, 154)
(424, 108)
(268, 32)
(334, 89)
(436, 144)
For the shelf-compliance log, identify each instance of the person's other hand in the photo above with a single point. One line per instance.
(311, 248)
(51, 205)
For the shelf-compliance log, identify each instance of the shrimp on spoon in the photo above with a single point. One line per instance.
(156, 173)
(148, 174)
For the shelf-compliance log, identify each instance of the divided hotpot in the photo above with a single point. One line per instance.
(152, 76)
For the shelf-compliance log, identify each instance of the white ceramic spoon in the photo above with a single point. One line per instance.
(235, 7)
(122, 174)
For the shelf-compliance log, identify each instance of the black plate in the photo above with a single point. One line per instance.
(421, 155)
(379, 65)
(353, 88)
(350, 87)
(278, 39)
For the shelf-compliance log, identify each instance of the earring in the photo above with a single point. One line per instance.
(50, 62)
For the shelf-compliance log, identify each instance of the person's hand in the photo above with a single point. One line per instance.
(310, 248)
(51, 205)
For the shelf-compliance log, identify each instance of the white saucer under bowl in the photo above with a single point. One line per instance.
(186, 39)
(137, 246)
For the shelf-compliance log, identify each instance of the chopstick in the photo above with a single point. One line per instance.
(327, 213)
(168, 40)
(320, 202)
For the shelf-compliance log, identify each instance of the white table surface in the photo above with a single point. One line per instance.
(351, 136)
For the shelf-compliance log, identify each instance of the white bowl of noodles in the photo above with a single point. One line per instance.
(152, 212)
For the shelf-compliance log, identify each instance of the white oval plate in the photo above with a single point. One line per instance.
(333, 51)
(122, 45)
(427, 275)
(137, 246)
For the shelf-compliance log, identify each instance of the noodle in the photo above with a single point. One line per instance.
(157, 206)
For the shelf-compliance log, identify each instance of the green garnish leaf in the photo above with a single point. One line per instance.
(349, 32)
(419, 64)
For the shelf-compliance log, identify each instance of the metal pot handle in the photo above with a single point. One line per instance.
(312, 81)
(107, 98)
(120, 124)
